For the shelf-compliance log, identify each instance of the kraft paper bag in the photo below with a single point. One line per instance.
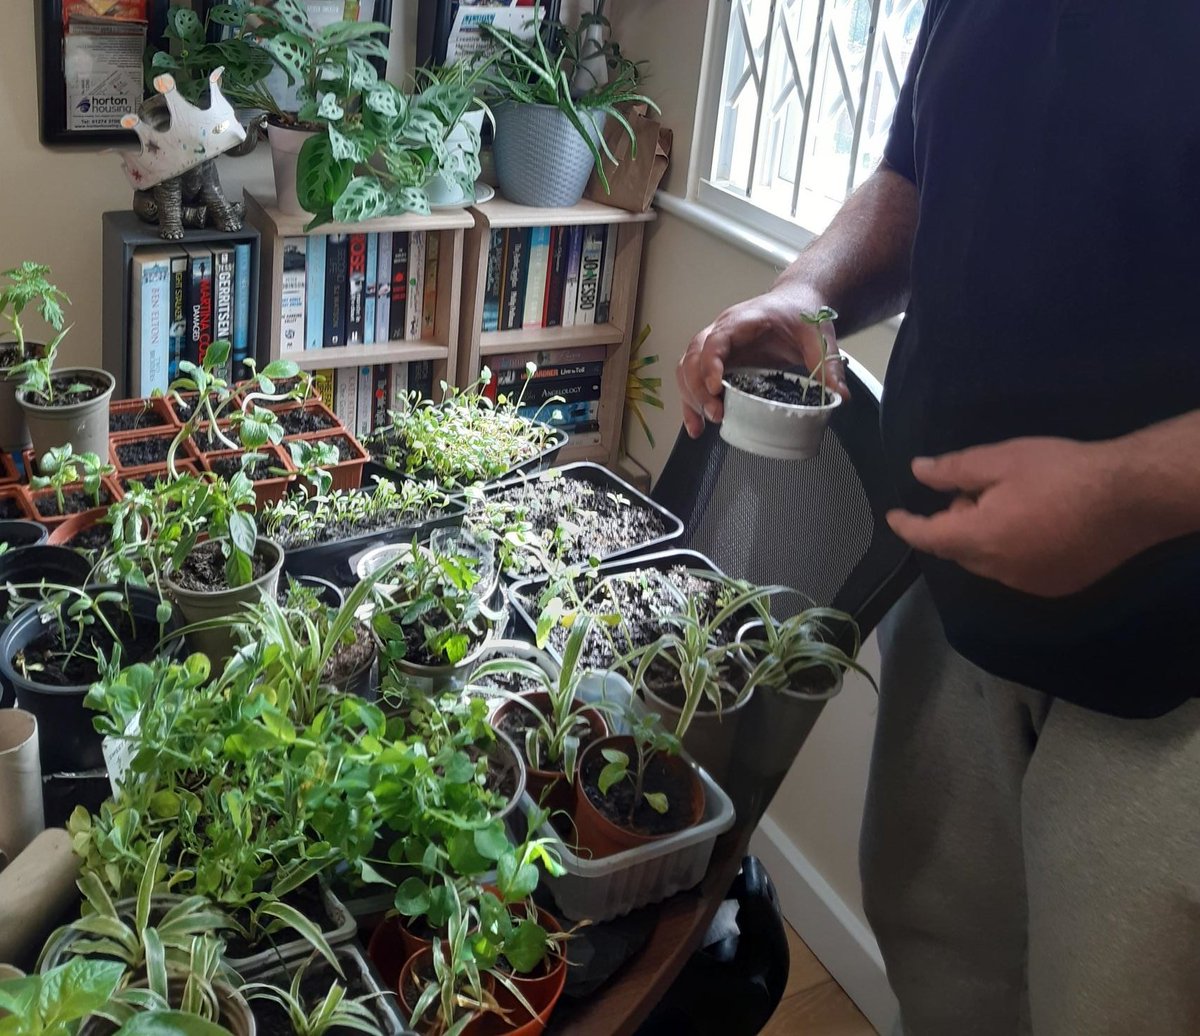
(21, 816)
(638, 171)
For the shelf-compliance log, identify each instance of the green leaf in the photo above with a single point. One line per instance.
(515, 879)
(492, 840)
(330, 109)
(243, 533)
(320, 178)
(657, 801)
(611, 774)
(412, 897)
(218, 354)
(170, 1023)
(302, 926)
(526, 947)
(362, 198)
(384, 99)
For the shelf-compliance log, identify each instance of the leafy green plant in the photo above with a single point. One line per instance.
(335, 1011)
(649, 739)
(29, 285)
(61, 466)
(816, 319)
(53, 1003)
(793, 653)
(541, 70)
(312, 460)
(37, 380)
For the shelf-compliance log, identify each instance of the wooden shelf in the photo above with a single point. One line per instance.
(365, 355)
(502, 213)
(293, 226)
(539, 338)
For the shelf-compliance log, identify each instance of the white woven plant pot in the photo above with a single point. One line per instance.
(541, 160)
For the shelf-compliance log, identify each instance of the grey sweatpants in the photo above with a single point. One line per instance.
(1028, 865)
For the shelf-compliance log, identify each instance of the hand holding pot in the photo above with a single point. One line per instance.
(765, 331)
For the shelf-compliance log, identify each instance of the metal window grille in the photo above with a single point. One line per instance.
(807, 97)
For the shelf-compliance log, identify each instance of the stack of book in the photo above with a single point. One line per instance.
(361, 396)
(358, 289)
(549, 277)
(184, 298)
(571, 377)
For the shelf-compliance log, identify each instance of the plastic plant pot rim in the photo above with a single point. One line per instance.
(804, 380)
(834, 690)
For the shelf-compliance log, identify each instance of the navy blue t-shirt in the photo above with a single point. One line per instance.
(1055, 145)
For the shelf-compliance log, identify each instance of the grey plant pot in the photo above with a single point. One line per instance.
(83, 425)
(781, 431)
(541, 159)
(204, 606)
(711, 738)
(14, 434)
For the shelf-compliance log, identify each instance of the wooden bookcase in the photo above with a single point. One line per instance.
(274, 226)
(475, 345)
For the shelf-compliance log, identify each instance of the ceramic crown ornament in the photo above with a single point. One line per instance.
(177, 136)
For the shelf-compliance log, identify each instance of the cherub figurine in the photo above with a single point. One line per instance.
(174, 177)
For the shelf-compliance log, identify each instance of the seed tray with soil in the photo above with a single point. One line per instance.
(144, 452)
(125, 419)
(779, 388)
(204, 568)
(619, 807)
(206, 440)
(577, 512)
(48, 661)
(184, 405)
(72, 388)
(75, 500)
(306, 420)
(10, 507)
(345, 448)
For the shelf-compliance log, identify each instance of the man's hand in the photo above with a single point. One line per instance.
(1046, 516)
(765, 331)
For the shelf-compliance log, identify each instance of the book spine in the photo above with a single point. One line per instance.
(363, 407)
(383, 287)
(516, 271)
(416, 285)
(242, 256)
(607, 265)
(548, 357)
(381, 395)
(559, 240)
(510, 376)
(399, 378)
(337, 261)
(589, 275)
(314, 292)
(429, 301)
(567, 416)
(291, 296)
(324, 383)
(201, 307)
(571, 283)
(357, 277)
(152, 332)
(535, 281)
(570, 389)
(420, 378)
(223, 303)
(398, 315)
(371, 289)
(492, 281)
(179, 314)
(345, 399)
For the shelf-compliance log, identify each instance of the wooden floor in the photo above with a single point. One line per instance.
(813, 1003)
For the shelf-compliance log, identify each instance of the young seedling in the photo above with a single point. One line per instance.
(61, 466)
(37, 376)
(649, 739)
(336, 1010)
(28, 285)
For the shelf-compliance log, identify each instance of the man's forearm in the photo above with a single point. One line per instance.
(860, 265)
(1156, 474)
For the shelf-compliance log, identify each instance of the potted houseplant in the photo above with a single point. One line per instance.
(631, 789)
(449, 91)
(549, 132)
(72, 483)
(64, 406)
(779, 414)
(27, 285)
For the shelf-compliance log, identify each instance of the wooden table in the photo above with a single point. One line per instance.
(626, 1000)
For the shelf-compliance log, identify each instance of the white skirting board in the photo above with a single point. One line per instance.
(838, 937)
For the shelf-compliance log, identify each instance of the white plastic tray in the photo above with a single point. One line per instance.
(608, 887)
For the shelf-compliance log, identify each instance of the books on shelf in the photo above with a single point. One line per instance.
(362, 396)
(292, 329)
(564, 390)
(184, 298)
(549, 277)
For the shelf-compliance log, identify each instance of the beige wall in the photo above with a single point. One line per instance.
(689, 276)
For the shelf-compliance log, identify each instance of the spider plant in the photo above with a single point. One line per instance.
(335, 1011)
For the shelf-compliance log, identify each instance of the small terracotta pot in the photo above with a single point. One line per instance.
(267, 490)
(391, 945)
(187, 449)
(541, 990)
(182, 467)
(599, 834)
(67, 529)
(347, 474)
(20, 496)
(107, 485)
(155, 404)
(548, 787)
(317, 406)
(480, 1025)
(8, 469)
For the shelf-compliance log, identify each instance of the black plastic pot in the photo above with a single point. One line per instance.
(332, 560)
(69, 741)
(17, 532)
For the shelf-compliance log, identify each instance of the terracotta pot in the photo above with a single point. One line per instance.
(83, 425)
(107, 485)
(548, 787)
(599, 834)
(19, 495)
(317, 406)
(67, 529)
(391, 945)
(154, 404)
(541, 990)
(187, 449)
(478, 1026)
(347, 474)
(159, 471)
(8, 470)
(267, 490)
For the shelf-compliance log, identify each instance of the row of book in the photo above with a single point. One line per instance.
(358, 289)
(362, 396)
(549, 277)
(184, 298)
(564, 390)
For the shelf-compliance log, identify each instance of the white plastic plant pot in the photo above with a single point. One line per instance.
(781, 431)
(443, 190)
(286, 142)
(21, 816)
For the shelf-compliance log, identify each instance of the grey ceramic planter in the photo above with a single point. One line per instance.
(711, 738)
(14, 435)
(205, 606)
(782, 431)
(83, 425)
(541, 159)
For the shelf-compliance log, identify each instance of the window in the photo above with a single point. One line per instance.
(804, 107)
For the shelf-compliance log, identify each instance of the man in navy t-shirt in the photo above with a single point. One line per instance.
(1031, 846)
